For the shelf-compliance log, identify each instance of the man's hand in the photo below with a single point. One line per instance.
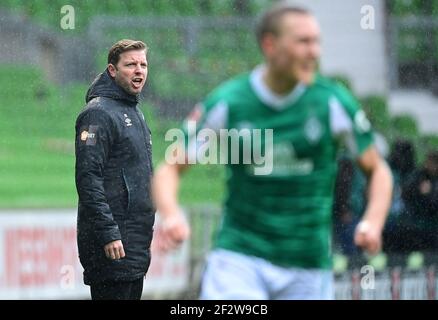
(175, 230)
(368, 237)
(114, 250)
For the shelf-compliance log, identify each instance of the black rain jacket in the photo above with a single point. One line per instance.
(113, 178)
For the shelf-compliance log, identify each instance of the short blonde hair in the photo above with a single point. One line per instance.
(122, 46)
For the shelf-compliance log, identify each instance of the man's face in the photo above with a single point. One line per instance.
(294, 52)
(131, 71)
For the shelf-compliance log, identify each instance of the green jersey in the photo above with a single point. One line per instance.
(284, 216)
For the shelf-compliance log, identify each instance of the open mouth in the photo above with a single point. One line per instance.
(137, 82)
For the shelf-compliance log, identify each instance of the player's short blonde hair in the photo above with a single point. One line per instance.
(270, 20)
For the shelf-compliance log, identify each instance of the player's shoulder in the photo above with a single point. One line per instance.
(235, 84)
(335, 89)
(331, 85)
(229, 89)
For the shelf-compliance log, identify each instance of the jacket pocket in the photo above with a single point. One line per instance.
(128, 191)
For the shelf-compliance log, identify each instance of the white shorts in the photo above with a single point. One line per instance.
(232, 276)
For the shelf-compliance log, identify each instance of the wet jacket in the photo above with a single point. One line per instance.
(113, 177)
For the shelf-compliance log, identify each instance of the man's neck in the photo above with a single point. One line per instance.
(278, 84)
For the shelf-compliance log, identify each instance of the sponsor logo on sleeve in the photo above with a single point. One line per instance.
(89, 136)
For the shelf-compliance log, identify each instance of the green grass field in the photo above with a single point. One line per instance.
(37, 145)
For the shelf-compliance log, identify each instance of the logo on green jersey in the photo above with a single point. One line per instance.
(286, 162)
(313, 130)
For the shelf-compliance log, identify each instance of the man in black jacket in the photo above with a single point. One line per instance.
(113, 176)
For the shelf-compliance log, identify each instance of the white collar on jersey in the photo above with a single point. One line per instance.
(270, 98)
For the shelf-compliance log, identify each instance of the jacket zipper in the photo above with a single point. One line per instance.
(127, 190)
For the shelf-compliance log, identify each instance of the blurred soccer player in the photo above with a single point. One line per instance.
(275, 237)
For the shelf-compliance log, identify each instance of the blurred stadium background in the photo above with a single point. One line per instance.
(194, 44)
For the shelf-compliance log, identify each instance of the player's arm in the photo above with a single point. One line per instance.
(369, 230)
(350, 125)
(167, 177)
(165, 189)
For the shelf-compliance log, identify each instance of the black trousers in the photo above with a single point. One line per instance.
(117, 290)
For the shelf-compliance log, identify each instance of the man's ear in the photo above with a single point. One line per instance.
(112, 70)
(267, 44)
